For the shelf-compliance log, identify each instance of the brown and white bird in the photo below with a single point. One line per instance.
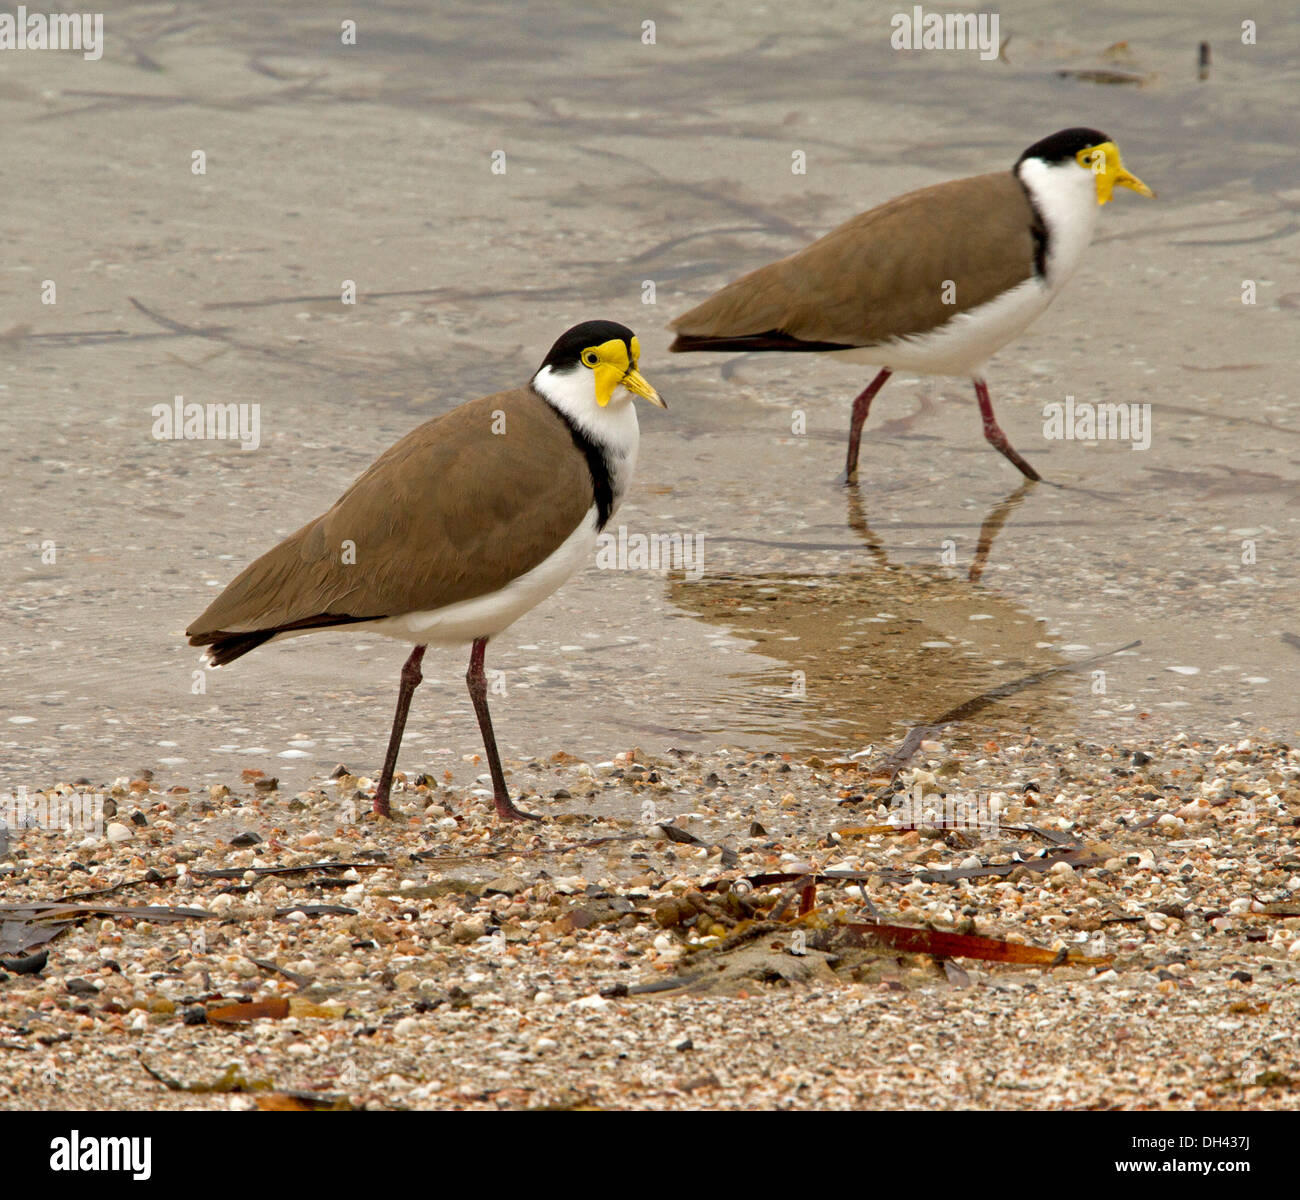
(457, 530)
(934, 282)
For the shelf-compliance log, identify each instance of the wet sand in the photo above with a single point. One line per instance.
(625, 163)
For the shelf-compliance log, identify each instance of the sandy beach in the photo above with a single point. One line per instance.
(1104, 665)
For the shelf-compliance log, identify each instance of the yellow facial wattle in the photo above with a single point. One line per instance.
(1108, 171)
(613, 367)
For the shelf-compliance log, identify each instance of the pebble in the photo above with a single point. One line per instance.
(469, 931)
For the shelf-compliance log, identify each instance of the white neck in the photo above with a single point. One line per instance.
(1066, 196)
(613, 428)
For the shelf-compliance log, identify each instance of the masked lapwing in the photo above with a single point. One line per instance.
(932, 283)
(457, 530)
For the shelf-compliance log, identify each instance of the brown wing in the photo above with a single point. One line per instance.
(879, 275)
(452, 511)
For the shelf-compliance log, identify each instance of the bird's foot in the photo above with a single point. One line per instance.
(507, 811)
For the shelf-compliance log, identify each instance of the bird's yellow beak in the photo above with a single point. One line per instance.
(1108, 171)
(639, 385)
(613, 368)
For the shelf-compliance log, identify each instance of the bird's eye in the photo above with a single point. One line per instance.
(589, 357)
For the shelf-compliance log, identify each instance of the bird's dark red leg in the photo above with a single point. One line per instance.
(993, 433)
(861, 406)
(477, 680)
(411, 678)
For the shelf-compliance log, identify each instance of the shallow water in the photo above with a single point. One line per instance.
(825, 617)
